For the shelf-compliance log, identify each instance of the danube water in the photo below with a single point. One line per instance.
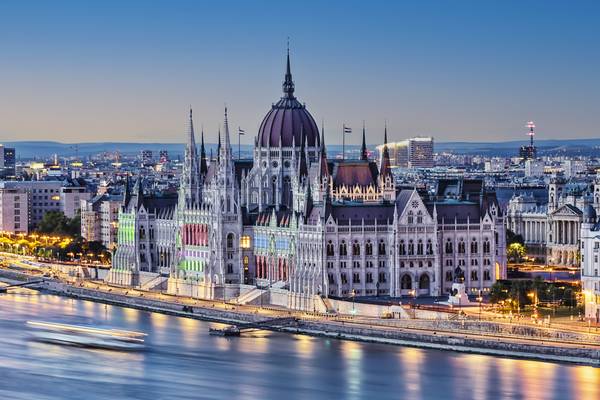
(181, 361)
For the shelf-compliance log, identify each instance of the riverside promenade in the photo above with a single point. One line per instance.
(460, 334)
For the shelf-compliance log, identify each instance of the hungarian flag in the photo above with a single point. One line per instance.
(241, 131)
(347, 129)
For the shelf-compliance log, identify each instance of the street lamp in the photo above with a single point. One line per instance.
(353, 295)
(480, 299)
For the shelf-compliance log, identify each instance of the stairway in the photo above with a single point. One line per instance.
(154, 283)
(249, 297)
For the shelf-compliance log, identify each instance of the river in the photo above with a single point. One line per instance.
(181, 361)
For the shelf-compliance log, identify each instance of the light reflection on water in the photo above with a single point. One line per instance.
(183, 362)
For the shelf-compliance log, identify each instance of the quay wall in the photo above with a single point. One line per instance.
(429, 338)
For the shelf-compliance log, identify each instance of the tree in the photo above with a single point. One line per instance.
(515, 252)
(57, 223)
(498, 292)
(511, 238)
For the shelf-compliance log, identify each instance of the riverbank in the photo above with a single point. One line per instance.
(575, 348)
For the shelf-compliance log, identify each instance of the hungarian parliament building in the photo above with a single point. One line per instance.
(292, 227)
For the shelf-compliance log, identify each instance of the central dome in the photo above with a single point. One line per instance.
(288, 120)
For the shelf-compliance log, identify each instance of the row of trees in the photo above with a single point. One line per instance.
(57, 223)
(56, 237)
(517, 294)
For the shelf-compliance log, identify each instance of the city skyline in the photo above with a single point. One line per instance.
(83, 73)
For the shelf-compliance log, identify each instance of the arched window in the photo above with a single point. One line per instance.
(411, 248)
(429, 247)
(449, 276)
(330, 250)
(343, 248)
(381, 248)
(410, 217)
(230, 237)
(448, 246)
(474, 276)
(419, 217)
(461, 246)
(486, 245)
(356, 248)
(474, 245)
(420, 247)
(402, 249)
(369, 248)
(424, 282)
(406, 282)
(486, 275)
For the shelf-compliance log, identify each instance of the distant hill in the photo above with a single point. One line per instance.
(44, 149)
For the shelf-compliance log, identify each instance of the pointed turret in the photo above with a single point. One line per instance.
(203, 163)
(385, 157)
(138, 192)
(190, 176)
(219, 145)
(364, 154)
(126, 192)
(303, 165)
(323, 168)
(227, 148)
(288, 83)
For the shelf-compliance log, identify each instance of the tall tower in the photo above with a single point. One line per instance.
(189, 190)
(364, 154)
(529, 152)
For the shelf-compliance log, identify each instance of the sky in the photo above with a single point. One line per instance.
(90, 71)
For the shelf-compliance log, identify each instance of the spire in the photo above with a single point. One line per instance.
(323, 169)
(226, 126)
(303, 166)
(364, 154)
(191, 140)
(288, 84)
(138, 192)
(219, 146)
(203, 164)
(190, 176)
(126, 192)
(385, 156)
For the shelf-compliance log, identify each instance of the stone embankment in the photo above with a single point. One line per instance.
(475, 337)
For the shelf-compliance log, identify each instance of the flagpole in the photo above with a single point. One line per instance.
(239, 141)
(343, 142)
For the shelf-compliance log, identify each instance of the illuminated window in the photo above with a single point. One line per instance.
(55, 197)
(245, 242)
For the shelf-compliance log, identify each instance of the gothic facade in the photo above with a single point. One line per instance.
(295, 227)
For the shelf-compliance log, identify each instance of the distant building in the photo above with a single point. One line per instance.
(420, 152)
(45, 196)
(411, 153)
(529, 152)
(572, 168)
(495, 165)
(7, 162)
(398, 153)
(552, 230)
(146, 158)
(163, 156)
(14, 210)
(534, 168)
(590, 265)
(99, 219)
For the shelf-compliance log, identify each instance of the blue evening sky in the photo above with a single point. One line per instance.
(457, 70)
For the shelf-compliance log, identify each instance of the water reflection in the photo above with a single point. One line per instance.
(183, 362)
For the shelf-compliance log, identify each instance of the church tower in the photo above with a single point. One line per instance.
(189, 189)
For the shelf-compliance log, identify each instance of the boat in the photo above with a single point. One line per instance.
(86, 336)
(228, 331)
